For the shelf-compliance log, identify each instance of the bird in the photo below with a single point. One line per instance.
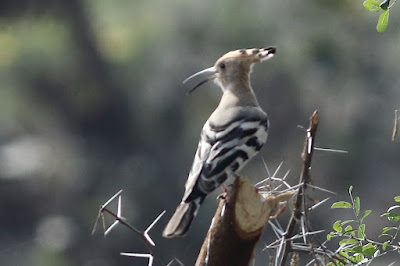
(232, 135)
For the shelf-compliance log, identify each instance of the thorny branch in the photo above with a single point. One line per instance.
(286, 243)
(305, 178)
(238, 224)
(121, 220)
(288, 240)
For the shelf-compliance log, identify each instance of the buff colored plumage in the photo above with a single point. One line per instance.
(233, 134)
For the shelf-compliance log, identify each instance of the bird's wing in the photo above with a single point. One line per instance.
(224, 148)
(206, 142)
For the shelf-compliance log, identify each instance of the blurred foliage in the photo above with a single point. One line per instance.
(376, 6)
(92, 102)
(354, 245)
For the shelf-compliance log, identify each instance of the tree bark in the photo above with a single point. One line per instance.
(237, 225)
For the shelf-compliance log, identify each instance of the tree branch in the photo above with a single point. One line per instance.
(305, 178)
(237, 225)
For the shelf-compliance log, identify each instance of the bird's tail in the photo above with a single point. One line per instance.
(182, 218)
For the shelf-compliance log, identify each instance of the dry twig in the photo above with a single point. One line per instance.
(305, 178)
(121, 220)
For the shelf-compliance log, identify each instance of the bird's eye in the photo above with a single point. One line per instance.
(222, 66)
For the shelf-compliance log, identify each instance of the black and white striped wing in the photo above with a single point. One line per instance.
(207, 139)
(223, 150)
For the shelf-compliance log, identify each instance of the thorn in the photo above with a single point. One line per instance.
(321, 189)
(315, 232)
(278, 232)
(95, 223)
(111, 227)
(148, 239)
(155, 221)
(146, 235)
(279, 252)
(104, 221)
(140, 255)
(291, 188)
(396, 124)
(111, 199)
(175, 259)
(330, 150)
(266, 167)
(119, 208)
(303, 229)
(318, 204)
(301, 127)
(310, 263)
(101, 215)
(309, 142)
(277, 169)
(223, 210)
(287, 173)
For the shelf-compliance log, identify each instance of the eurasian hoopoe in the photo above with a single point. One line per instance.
(233, 134)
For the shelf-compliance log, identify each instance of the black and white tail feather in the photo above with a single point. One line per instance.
(233, 134)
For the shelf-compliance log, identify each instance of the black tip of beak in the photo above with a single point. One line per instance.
(271, 50)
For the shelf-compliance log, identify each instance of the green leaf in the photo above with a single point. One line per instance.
(348, 228)
(337, 226)
(361, 231)
(344, 254)
(372, 5)
(397, 199)
(358, 258)
(348, 241)
(357, 205)
(383, 22)
(330, 235)
(341, 205)
(387, 229)
(365, 214)
(385, 4)
(391, 216)
(357, 249)
(368, 250)
(347, 222)
(384, 246)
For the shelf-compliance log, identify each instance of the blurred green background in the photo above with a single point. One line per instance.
(92, 101)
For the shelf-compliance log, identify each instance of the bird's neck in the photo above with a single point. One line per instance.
(238, 94)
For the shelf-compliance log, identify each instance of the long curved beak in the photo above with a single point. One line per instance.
(201, 77)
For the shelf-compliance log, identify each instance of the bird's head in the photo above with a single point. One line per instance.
(233, 66)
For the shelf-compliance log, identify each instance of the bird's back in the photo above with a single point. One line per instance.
(230, 137)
